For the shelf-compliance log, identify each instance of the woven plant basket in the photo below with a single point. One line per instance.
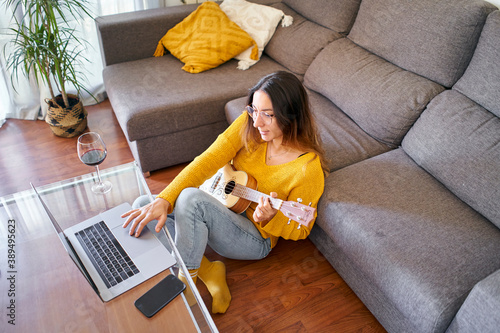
(66, 123)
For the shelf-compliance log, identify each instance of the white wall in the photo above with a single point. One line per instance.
(200, 1)
(495, 2)
(173, 2)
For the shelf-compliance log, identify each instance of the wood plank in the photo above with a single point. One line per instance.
(294, 289)
(59, 299)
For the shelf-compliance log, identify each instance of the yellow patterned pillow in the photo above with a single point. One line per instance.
(206, 39)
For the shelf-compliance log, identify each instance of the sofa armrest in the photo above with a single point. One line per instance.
(133, 36)
(480, 311)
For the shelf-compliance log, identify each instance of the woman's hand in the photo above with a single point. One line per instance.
(264, 212)
(156, 210)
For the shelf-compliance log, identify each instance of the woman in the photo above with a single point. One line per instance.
(276, 142)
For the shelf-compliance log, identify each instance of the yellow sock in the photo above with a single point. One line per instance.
(213, 275)
(188, 293)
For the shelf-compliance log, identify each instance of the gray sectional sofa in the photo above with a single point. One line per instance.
(407, 96)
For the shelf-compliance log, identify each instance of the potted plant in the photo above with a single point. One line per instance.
(46, 47)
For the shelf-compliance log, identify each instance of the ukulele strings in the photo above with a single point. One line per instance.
(252, 195)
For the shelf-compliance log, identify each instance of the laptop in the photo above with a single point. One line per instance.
(111, 260)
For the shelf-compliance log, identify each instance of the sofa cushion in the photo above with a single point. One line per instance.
(234, 108)
(480, 310)
(413, 239)
(259, 21)
(381, 98)
(481, 81)
(205, 39)
(154, 96)
(344, 142)
(296, 46)
(336, 15)
(457, 141)
(432, 38)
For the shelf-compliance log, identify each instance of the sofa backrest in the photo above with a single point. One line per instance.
(336, 15)
(316, 23)
(397, 57)
(457, 138)
(481, 81)
(432, 38)
(381, 98)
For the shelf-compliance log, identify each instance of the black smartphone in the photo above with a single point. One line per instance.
(160, 295)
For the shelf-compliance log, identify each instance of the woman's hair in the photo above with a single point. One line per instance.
(291, 112)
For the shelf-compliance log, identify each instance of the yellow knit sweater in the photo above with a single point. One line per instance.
(301, 178)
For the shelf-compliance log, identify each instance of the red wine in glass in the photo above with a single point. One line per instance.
(93, 157)
(92, 151)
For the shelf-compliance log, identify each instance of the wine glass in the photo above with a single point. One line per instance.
(92, 151)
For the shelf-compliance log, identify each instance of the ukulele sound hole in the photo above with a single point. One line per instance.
(230, 187)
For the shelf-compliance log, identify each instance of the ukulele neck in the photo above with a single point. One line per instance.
(253, 195)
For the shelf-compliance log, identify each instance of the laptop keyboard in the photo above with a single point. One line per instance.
(107, 255)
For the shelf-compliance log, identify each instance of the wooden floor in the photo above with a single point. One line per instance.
(293, 290)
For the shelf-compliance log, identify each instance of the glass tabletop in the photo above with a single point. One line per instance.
(72, 201)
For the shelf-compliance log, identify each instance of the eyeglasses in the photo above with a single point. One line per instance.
(253, 112)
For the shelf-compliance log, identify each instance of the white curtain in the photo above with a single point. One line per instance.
(20, 100)
(23, 99)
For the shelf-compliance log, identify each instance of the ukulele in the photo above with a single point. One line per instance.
(236, 190)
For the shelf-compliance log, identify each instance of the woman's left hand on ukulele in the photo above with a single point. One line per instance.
(264, 212)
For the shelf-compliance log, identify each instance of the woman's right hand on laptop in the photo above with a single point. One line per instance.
(156, 210)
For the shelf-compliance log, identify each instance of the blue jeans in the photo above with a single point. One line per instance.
(201, 219)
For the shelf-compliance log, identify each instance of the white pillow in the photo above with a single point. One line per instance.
(258, 21)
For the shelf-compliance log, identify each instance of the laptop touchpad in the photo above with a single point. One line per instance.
(135, 246)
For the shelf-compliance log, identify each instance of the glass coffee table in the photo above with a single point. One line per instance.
(41, 287)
